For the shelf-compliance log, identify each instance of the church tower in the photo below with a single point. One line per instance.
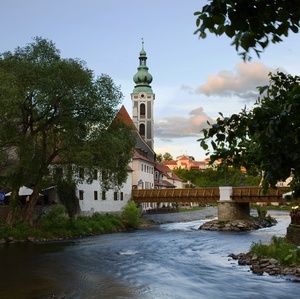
(143, 100)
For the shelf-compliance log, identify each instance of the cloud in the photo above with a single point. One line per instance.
(242, 82)
(179, 126)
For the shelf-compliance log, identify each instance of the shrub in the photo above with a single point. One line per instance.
(131, 215)
(55, 222)
(279, 249)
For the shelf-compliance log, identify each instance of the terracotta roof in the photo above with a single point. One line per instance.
(124, 116)
(166, 171)
(136, 155)
(167, 184)
(170, 162)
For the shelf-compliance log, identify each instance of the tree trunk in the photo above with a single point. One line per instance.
(14, 214)
(30, 207)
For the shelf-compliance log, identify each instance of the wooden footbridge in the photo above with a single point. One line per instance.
(210, 195)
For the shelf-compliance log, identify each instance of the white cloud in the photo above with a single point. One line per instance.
(242, 82)
(182, 126)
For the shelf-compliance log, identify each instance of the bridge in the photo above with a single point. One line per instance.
(233, 202)
(209, 195)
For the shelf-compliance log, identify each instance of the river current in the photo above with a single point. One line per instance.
(173, 260)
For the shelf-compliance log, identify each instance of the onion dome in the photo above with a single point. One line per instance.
(142, 78)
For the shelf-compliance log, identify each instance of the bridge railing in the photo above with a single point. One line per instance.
(256, 194)
(209, 195)
(176, 195)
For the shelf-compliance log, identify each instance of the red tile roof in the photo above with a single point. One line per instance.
(124, 116)
(166, 171)
(136, 155)
(172, 162)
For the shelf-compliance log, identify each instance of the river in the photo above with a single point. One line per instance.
(174, 260)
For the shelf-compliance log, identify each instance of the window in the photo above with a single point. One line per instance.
(103, 195)
(58, 173)
(104, 174)
(121, 196)
(95, 195)
(142, 111)
(81, 172)
(81, 192)
(116, 195)
(142, 130)
(142, 167)
(95, 174)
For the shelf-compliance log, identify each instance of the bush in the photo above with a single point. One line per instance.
(55, 222)
(19, 232)
(279, 249)
(131, 215)
(261, 211)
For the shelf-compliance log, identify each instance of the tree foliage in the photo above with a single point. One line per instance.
(266, 137)
(217, 177)
(164, 157)
(56, 109)
(251, 24)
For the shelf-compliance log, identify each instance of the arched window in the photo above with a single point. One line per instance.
(142, 111)
(142, 130)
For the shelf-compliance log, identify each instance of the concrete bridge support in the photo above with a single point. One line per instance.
(229, 210)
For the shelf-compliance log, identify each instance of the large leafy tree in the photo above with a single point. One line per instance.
(266, 137)
(251, 24)
(56, 109)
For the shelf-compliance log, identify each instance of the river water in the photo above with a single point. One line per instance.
(173, 260)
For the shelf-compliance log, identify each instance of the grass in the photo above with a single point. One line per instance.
(279, 249)
(182, 210)
(273, 207)
(56, 225)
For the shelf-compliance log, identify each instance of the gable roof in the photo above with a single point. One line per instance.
(124, 116)
(142, 149)
(167, 172)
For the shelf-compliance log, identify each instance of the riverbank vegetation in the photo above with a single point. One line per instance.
(280, 249)
(57, 225)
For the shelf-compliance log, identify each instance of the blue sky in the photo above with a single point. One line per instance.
(193, 79)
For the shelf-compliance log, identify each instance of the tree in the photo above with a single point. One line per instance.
(165, 157)
(56, 109)
(251, 24)
(266, 137)
(214, 177)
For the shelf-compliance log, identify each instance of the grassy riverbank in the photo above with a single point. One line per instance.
(280, 249)
(56, 225)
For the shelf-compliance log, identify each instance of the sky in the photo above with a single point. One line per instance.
(193, 79)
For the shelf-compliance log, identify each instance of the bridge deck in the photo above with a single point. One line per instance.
(209, 195)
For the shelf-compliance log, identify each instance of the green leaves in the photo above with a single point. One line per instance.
(251, 24)
(266, 137)
(55, 109)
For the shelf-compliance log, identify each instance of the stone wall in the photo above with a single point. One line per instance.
(228, 211)
(293, 234)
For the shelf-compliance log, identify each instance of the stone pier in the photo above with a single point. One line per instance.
(228, 210)
(293, 230)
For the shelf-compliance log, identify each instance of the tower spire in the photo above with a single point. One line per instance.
(142, 78)
(143, 100)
